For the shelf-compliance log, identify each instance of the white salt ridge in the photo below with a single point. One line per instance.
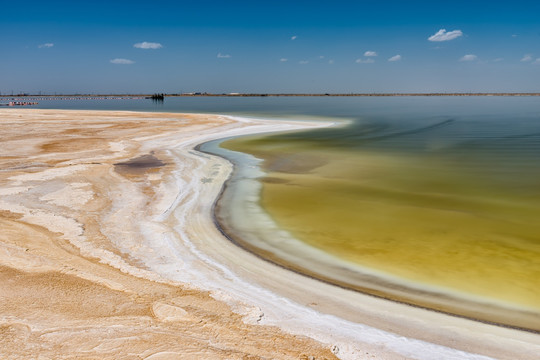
(72, 195)
(176, 256)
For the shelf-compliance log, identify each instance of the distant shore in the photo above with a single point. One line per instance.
(206, 94)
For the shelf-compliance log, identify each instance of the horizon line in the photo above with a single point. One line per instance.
(255, 94)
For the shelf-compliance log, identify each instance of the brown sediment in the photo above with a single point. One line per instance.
(70, 286)
(70, 145)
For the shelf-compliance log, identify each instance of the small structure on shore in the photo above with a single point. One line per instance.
(157, 97)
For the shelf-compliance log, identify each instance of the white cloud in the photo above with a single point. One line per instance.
(122, 61)
(303, 62)
(147, 45)
(321, 57)
(370, 53)
(223, 56)
(442, 35)
(526, 58)
(294, 37)
(365, 61)
(46, 45)
(283, 60)
(537, 61)
(330, 61)
(514, 35)
(498, 60)
(469, 57)
(395, 58)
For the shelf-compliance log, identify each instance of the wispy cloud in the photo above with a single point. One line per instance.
(365, 61)
(537, 61)
(469, 57)
(122, 61)
(498, 60)
(443, 35)
(303, 62)
(370, 53)
(294, 37)
(395, 58)
(46, 45)
(147, 45)
(331, 61)
(283, 60)
(526, 58)
(223, 56)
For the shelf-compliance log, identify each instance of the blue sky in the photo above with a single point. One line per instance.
(269, 46)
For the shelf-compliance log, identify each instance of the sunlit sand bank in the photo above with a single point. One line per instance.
(108, 249)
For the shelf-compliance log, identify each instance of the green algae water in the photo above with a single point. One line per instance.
(446, 194)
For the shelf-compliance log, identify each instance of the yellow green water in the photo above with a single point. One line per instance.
(467, 222)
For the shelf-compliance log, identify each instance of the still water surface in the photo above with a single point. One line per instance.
(443, 191)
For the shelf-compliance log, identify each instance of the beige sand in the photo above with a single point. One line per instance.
(68, 291)
(123, 261)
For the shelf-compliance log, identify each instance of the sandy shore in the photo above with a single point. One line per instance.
(108, 250)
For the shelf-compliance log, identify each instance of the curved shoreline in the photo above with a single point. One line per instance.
(150, 235)
(413, 315)
(440, 315)
(338, 272)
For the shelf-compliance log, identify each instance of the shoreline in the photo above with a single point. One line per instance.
(173, 241)
(280, 248)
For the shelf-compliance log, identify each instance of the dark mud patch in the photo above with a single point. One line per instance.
(139, 164)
